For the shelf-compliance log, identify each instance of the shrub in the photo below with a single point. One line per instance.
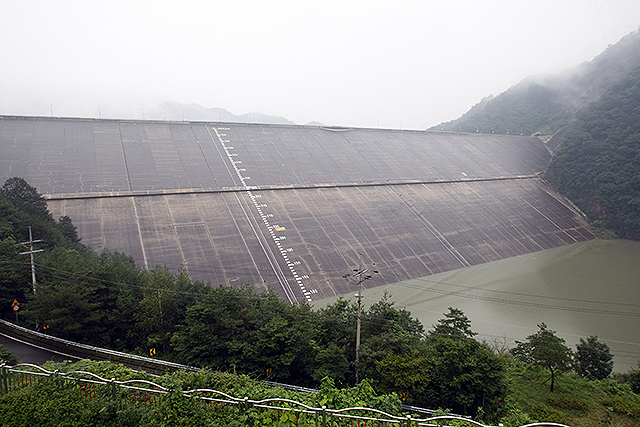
(544, 412)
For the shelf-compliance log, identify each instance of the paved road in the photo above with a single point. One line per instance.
(29, 354)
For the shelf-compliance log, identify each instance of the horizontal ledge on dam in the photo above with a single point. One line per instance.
(143, 193)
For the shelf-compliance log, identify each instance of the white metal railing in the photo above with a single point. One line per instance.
(142, 393)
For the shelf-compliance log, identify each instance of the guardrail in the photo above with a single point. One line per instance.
(82, 351)
(143, 393)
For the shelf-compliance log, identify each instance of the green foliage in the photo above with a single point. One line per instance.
(362, 395)
(22, 208)
(165, 300)
(593, 359)
(568, 403)
(57, 399)
(235, 328)
(602, 232)
(406, 374)
(576, 400)
(335, 342)
(597, 164)
(387, 333)
(103, 369)
(8, 357)
(624, 405)
(66, 304)
(634, 379)
(175, 409)
(382, 318)
(546, 349)
(68, 230)
(466, 376)
(515, 417)
(47, 404)
(26, 197)
(447, 370)
(455, 325)
(524, 109)
(547, 413)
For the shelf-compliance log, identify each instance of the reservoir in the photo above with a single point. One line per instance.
(588, 288)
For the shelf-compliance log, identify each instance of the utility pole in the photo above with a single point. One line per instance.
(361, 275)
(31, 252)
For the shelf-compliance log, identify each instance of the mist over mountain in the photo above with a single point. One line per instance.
(597, 160)
(546, 104)
(593, 113)
(193, 112)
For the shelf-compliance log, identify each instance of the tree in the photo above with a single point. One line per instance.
(455, 325)
(335, 342)
(18, 190)
(164, 304)
(382, 317)
(386, 330)
(14, 272)
(407, 374)
(546, 349)
(594, 360)
(282, 344)
(66, 301)
(465, 376)
(448, 369)
(634, 379)
(68, 230)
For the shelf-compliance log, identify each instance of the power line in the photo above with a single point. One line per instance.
(524, 303)
(422, 279)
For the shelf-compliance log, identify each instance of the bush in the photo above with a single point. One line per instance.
(8, 357)
(544, 412)
(624, 405)
(47, 404)
(568, 403)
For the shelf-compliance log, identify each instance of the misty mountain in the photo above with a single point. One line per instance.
(194, 112)
(593, 113)
(547, 104)
(597, 162)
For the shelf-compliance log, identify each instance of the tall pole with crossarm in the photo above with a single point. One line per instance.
(361, 275)
(31, 252)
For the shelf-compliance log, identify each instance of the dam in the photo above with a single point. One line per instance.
(293, 208)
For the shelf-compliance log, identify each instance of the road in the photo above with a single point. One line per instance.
(29, 354)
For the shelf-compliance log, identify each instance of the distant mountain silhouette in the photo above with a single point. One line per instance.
(194, 112)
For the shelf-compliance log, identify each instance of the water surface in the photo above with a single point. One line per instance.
(589, 288)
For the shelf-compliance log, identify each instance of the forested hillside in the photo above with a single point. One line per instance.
(597, 164)
(593, 113)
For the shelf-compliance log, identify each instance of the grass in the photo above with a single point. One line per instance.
(577, 401)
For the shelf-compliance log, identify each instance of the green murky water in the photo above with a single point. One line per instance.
(590, 288)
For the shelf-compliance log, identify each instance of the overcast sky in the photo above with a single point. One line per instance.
(389, 64)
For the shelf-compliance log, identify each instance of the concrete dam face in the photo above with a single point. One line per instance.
(294, 208)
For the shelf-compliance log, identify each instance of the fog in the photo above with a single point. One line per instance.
(406, 64)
